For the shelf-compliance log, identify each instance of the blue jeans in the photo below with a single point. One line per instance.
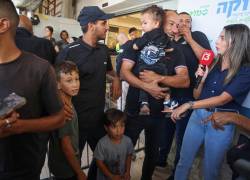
(216, 143)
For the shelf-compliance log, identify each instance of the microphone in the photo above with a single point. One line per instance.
(206, 59)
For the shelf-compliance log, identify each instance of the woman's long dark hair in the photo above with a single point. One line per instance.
(237, 37)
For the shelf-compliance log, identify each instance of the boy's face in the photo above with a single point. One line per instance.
(116, 132)
(148, 23)
(69, 83)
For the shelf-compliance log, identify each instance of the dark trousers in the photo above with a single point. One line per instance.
(240, 151)
(167, 138)
(152, 128)
(91, 136)
(71, 178)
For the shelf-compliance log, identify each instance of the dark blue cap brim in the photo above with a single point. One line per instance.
(106, 17)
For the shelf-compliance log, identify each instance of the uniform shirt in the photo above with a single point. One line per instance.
(186, 94)
(23, 155)
(58, 164)
(173, 60)
(120, 56)
(113, 155)
(238, 87)
(93, 63)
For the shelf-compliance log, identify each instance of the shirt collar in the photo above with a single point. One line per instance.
(87, 45)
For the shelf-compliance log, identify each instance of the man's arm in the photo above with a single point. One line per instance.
(43, 124)
(196, 47)
(152, 87)
(223, 118)
(116, 84)
(180, 80)
(69, 153)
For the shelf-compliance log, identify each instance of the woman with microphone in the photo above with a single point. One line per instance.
(223, 87)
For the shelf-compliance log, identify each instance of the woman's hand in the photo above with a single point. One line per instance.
(201, 72)
(176, 113)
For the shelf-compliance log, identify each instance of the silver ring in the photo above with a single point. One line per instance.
(7, 121)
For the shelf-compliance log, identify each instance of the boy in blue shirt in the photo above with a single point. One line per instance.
(64, 156)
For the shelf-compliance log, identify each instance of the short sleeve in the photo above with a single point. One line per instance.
(130, 147)
(49, 93)
(66, 130)
(99, 151)
(179, 58)
(239, 86)
(129, 54)
(201, 39)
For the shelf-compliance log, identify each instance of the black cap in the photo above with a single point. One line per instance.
(92, 14)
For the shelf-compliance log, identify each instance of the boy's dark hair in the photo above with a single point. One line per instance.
(112, 116)
(186, 13)
(8, 10)
(65, 67)
(157, 12)
(132, 30)
(50, 28)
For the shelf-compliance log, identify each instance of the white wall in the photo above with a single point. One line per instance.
(59, 24)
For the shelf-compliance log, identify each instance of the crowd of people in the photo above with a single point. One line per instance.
(63, 83)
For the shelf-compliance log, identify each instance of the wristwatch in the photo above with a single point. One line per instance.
(191, 104)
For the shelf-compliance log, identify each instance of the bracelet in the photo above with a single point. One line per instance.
(191, 104)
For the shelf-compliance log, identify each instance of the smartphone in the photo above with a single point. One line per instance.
(11, 103)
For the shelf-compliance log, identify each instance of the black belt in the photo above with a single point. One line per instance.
(221, 110)
(210, 109)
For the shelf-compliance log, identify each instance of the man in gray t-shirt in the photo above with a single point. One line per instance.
(113, 155)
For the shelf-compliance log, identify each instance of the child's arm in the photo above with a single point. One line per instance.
(69, 153)
(106, 171)
(130, 151)
(128, 166)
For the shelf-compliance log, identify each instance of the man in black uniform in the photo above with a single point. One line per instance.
(21, 143)
(93, 62)
(148, 81)
(26, 41)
